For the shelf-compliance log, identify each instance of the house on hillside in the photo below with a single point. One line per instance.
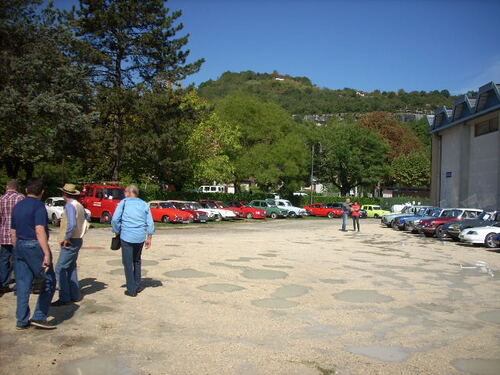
(466, 151)
(361, 93)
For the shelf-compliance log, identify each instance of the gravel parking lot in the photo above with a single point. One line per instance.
(273, 297)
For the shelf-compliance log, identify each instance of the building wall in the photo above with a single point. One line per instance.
(466, 168)
(483, 181)
(450, 167)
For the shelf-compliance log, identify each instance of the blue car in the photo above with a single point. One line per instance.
(403, 222)
(497, 240)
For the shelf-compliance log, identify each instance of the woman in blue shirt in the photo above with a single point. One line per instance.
(134, 222)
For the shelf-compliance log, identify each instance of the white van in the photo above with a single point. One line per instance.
(217, 189)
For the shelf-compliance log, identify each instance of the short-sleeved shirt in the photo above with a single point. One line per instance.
(27, 214)
(346, 207)
(355, 210)
(7, 203)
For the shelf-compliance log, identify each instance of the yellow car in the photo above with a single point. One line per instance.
(374, 211)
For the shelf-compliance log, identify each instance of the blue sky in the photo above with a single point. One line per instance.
(363, 44)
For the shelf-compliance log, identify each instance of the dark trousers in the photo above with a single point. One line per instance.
(66, 272)
(131, 258)
(6, 264)
(355, 222)
(29, 265)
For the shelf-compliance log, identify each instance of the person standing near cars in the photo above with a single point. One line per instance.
(134, 223)
(7, 203)
(346, 210)
(33, 258)
(355, 213)
(74, 224)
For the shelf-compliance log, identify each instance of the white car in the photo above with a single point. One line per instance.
(480, 235)
(211, 208)
(287, 205)
(55, 208)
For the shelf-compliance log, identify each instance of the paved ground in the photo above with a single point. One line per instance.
(274, 297)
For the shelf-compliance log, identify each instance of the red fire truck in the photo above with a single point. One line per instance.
(102, 199)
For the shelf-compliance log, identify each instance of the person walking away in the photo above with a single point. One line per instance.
(346, 209)
(74, 225)
(7, 203)
(355, 215)
(134, 223)
(33, 258)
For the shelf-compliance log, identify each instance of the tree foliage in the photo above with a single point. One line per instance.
(412, 170)
(45, 99)
(351, 156)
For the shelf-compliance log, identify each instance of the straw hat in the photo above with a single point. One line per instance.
(69, 189)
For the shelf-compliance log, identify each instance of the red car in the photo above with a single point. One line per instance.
(435, 225)
(222, 206)
(167, 213)
(320, 209)
(198, 215)
(101, 200)
(248, 212)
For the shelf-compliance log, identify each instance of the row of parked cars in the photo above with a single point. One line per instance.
(468, 225)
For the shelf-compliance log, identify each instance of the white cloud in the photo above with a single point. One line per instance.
(490, 73)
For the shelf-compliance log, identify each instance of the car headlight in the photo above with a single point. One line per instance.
(472, 232)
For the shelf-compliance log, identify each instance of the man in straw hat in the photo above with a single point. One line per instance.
(74, 224)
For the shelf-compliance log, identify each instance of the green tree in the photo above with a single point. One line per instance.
(45, 99)
(274, 150)
(412, 170)
(126, 42)
(351, 156)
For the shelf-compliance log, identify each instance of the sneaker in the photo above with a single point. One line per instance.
(129, 294)
(139, 289)
(60, 303)
(22, 328)
(42, 324)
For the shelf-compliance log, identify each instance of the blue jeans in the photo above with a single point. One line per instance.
(131, 259)
(345, 218)
(6, 264)
(28, 265)
(66, 273)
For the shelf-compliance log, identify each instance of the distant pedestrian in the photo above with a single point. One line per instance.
(74, 224)
(33, 258)
(346, 210)
(7, 203)
(132, 220)
(356, 208)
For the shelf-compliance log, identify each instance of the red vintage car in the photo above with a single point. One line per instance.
(222, 206)
(435, 225)
(320, 209)
(102, 199)
(167, 213)
(198, 215)
(248, 212)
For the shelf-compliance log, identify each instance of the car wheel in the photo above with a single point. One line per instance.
(331, 215)
(489, 241)
(455, 239)
(218, 217)
(165, 219)
(55, 221)
(440, 233)
(394, 225)
(105, 218)
(273, 215)
(249, 215)
(376, 216)
(292, 215)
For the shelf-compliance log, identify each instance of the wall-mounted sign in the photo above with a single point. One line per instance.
(448, 174)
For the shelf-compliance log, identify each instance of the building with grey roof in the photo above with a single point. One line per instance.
(466, 151)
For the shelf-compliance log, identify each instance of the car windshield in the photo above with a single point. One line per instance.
(59, 203)
(236, 204)
(484, 216)
(114, 193)
(166, 205)
(225, 205)
(421, 211)
(179, 205)
(435, 212)
(376, 208)
(451, 213)
(208, 205)
(287, 203)
(195, 206)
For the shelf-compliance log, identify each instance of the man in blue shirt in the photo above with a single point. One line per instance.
(33, 258)
(134, 223)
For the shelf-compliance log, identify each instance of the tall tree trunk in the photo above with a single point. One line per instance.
(12, 167)
(117, 147)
